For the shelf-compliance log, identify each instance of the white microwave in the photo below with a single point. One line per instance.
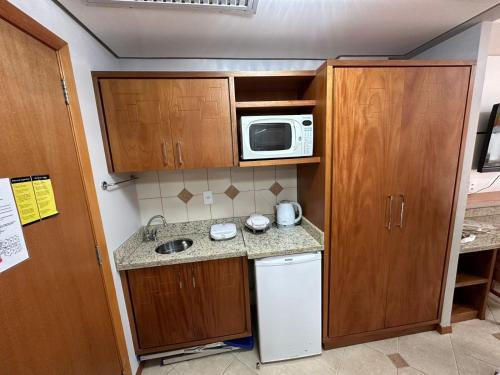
(271, 137)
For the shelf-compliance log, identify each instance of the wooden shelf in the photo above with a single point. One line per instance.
(460, 312)
(276, 104)
(466, 279)
(263, 163)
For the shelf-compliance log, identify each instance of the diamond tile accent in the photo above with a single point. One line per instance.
(232, 192)
(276, 188)
(397, 360)
(497, 335)
(185, 195)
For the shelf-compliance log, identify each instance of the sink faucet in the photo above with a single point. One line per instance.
(150, 234)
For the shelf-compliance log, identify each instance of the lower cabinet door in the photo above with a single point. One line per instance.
(161, 305)
(220, 303)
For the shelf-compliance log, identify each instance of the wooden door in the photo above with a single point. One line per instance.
(219, 298)
(161, 305)
(198, 113)
(54, 317)
(432, 121)
(366, 115)
(138, 138)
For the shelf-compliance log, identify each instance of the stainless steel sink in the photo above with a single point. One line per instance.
(175, 246)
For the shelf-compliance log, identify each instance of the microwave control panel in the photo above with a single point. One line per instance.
(307, 128)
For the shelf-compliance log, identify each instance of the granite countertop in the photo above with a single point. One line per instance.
(134, 253)
(490, 239)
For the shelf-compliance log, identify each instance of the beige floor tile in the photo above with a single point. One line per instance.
(471, 366)
(212, 365)
(474, 338)
(153, 368)
(250, 359)
(494, 307)
(429, 352)
(388, 346)
(361, 360)
(307, 366)
(409, 371)
(332, 357)
(489, 315)
(238, 368)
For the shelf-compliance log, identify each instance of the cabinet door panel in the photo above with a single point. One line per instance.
(134, 115)
(162, 309)
(431, 129)
(366, 118)
(198, 114)
(220, 305)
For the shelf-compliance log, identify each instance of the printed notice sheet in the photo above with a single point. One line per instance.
(12, 245)
(22, 187)
(44, 196)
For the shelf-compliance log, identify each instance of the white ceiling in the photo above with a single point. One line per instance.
(280, 29)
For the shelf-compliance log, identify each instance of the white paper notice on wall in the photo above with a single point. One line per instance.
(12, 245)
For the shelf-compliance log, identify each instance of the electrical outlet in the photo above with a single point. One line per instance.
(208, 197)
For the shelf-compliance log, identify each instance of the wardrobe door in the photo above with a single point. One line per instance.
(433, 111)
(366, 127)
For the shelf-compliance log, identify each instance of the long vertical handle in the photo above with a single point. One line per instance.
(389, 199)
(402, 211)
(179, 152)
(194, 280)
(164, 153)
(180, 280)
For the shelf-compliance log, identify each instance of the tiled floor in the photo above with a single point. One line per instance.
(472, 349)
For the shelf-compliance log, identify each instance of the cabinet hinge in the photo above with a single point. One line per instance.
(98, 254)
(65, 91)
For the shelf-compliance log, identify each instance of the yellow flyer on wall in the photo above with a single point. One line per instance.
(44, 196)
(24, 195)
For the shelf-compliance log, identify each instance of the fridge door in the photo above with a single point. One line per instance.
(289, 306)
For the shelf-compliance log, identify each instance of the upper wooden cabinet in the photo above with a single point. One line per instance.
(155, 124)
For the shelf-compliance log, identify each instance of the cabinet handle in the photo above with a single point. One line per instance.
(402, 212)
(180, 280)
(164, 153)
(194, 282)
(389, 199)
(179, 152)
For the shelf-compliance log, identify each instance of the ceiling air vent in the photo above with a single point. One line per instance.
(244, 6)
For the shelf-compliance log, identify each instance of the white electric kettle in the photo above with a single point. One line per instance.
(285, 214)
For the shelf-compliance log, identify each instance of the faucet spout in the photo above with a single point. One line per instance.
(150, 234)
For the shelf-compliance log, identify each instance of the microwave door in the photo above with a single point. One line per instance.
(271, 139)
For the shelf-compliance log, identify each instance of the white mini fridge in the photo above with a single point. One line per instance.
(289, 306)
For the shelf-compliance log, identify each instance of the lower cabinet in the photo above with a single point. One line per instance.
(188, 304)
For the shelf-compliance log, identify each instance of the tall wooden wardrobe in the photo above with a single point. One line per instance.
(391, 136)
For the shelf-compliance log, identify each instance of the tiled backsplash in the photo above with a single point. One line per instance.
(178, 195)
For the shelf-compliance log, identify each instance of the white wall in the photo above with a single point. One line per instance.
(217, 64)
(471, 44)
(119, 209)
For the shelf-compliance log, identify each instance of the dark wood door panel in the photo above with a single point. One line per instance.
(432, 121)
(366, 115)
(199, 118)
(220, 302)
(162, 308)
(54, 315)
(135, 117)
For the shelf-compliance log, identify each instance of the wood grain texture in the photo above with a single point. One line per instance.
(190, 304)
(399, 63)
(93, 205)
(483, 199)
(314, 181)
(365, 136)
(267, 162)
(277, 104)
(199, 119)
(432, 119)
(137, 125)
(56, 299)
